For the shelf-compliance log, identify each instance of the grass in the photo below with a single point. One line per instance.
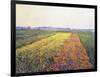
(87, 38)
(37, 56)
(24, 37)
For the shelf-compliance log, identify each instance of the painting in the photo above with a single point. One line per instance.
(54, 38)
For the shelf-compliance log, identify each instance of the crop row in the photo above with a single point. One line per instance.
(87, 39)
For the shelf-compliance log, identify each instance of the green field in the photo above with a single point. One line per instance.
(35, 49)
(24, 37)
(88, 40)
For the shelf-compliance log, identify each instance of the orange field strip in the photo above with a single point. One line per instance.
(72, 56)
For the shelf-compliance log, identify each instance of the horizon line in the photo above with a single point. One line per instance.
(52, 27)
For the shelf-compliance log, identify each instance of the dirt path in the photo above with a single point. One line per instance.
(72, 56)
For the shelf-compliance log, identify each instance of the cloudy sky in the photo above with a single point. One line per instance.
(38, 16)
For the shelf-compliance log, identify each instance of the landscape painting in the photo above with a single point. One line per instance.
(50, 38)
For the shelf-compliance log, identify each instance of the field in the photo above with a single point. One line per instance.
(42, 50)
(88, 40)
(25, 37)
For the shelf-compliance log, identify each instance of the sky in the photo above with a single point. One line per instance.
(52, 16)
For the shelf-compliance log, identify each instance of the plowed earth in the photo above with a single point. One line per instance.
(72, 56)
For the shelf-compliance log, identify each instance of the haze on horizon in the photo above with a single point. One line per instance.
(48, 16)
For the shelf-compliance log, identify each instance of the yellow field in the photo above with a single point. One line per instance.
(37, 56)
